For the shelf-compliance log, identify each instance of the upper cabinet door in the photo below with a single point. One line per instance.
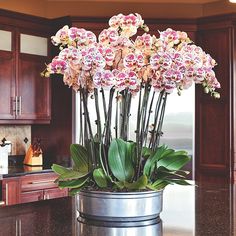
(7, 74)
(25, 96)
(33, 91)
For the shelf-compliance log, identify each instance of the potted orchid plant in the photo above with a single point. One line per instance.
(109, 72)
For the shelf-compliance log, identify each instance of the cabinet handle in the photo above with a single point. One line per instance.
(16, 227)
(7, 194)
(42, 182)
(19, 221)
(46, 197)
(20, 105)
(16, 105)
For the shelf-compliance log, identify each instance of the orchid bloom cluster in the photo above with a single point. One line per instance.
(115, 60)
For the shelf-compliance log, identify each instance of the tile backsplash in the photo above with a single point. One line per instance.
(16, 134)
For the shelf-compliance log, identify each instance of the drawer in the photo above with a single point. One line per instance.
(38, 182)
(32, 196)
(55, 193)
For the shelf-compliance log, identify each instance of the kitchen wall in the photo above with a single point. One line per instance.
(16, 134)
(95, 8)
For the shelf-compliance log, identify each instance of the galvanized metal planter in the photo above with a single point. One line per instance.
(120, 206)
(102, 228)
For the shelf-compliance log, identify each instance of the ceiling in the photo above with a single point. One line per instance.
(143, 1)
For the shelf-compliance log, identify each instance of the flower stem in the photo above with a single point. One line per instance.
(143, 116)
(98, 121)
(156, 116)
(81, 133)
(138, 130)
(160, 123)
(148, 119)
(104, 103)
(89, 141)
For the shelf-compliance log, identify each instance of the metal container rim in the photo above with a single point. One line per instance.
(106, 194)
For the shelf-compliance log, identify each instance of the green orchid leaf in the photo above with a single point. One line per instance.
(120, 161)
(178, 181)
(166, 152)
(131, 151)
(163, 172)
(74, 191)
(141, 183)
(74, 183)
(72, 175)
(146, 152)
(150, 163)
(60, 170)
(159, 184)
(173, 162)
(119, 184)
(177, 153)
(66, 173)
(100, 178)
(168, 158)
(79, 156)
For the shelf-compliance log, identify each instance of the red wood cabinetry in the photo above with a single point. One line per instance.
(42, 218)
(10, 191)
(40, 187)
(25, 96)
(7, 75)
(215, 128)
(8, 226)
(30, 188)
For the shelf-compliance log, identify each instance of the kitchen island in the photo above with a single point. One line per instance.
(187, 210)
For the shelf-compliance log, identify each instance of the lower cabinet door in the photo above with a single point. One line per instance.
(31, 224)
(55, 193)
(10, 191)
(32, 196)
(8, 226)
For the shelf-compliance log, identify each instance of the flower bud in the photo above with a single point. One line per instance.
(216, 95)
(206, 90)
(145, 28)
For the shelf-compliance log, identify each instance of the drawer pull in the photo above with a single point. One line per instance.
(7, 194)
(2, 203)
(43, 182)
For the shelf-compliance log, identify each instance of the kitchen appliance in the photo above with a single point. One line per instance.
(4, 158)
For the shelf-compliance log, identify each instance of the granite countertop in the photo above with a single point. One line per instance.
(25, 170)
(16, 168)
(206, 210)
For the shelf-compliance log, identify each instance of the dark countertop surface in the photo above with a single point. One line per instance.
(25, 170)
(206, 210)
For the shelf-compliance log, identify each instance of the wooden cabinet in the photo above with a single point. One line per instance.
(32, 196)
(25, 96)
(8, 226)
(10, 191)
(55, 193)
(215, 118)
(30, 188)
(47, 218)
(7, 75)
(34, 97)
(26, 223)
(40, 187)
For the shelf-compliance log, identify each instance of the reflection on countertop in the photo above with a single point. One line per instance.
(206, 210)
(17, 168)
(24, 169)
